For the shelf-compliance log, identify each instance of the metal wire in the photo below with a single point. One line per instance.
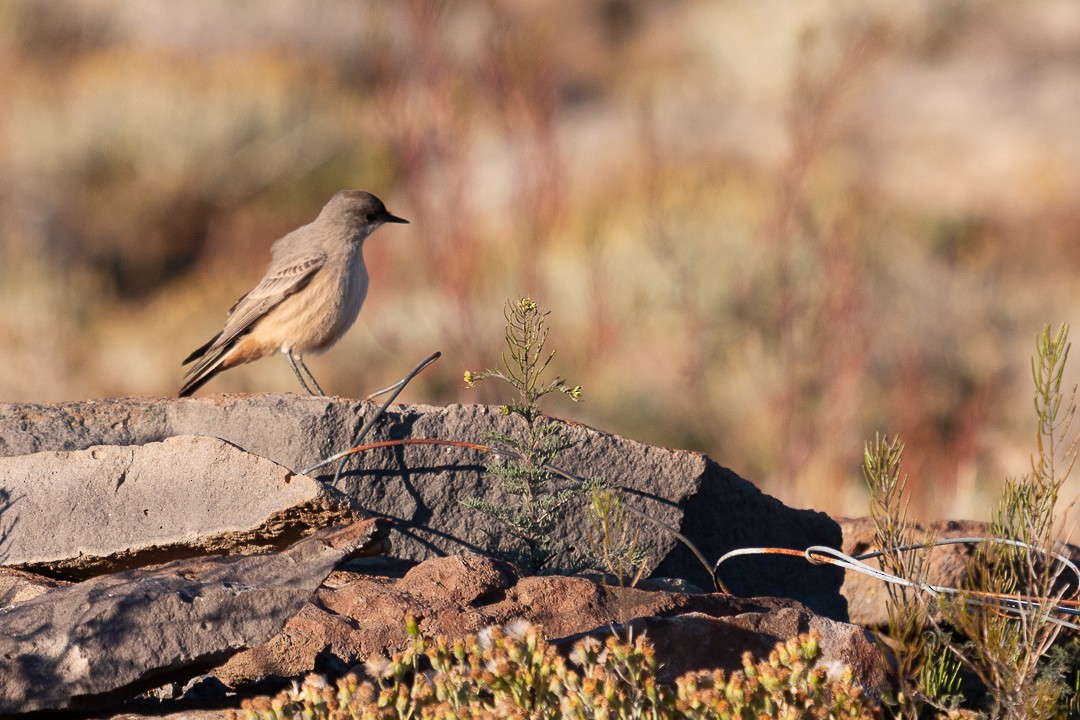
(1011, 603)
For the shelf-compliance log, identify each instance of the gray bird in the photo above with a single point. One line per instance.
(310, 295)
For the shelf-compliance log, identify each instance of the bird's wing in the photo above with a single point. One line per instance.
(278, 284)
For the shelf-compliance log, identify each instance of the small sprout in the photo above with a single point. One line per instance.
(522, 463)
(524, 361)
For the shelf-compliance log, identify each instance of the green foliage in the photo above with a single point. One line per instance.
(1008, 650)
(1064, 659)
(926, 672)
(1008, 646)
(613, 540)
(537, 496)
(525, 337)
(513, 672)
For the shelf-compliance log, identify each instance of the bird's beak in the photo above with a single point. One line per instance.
(395, 219)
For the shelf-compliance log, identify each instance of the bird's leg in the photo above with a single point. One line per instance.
(296, 371)
(310, 376)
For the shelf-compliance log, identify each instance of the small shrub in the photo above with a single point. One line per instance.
(1008, 645)
(926, 672)
(537, 497)
(512, 672)
(613, 540)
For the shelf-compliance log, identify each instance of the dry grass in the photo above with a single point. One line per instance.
(766, 230)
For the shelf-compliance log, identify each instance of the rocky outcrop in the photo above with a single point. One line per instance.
(78, 646)
(104, 489)
(78, 513)
(421, 487)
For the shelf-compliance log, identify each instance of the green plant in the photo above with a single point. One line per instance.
(613, 540)
(1064, 660)
(1002, 625)
(926, 672)
(512, 672)
(537, 495)
(1007, 650)
(526, 335)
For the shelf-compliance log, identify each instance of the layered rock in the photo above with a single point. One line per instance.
(78, 513)
(80, 646)
(362, 615)
(108, 488)
(421, 486)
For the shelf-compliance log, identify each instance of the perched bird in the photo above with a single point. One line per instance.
(310, 295)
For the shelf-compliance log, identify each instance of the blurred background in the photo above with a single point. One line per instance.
(765, 229)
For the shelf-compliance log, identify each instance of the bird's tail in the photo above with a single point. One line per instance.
(196, 354)
(210, 358)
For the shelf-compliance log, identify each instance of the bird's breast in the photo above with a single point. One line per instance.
(317, 316)
(356, 287)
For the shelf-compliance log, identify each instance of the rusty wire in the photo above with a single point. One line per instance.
(1010, 603)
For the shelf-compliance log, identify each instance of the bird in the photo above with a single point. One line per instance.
(309, 297)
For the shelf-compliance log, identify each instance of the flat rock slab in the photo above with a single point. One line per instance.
(78, 513)
(80, 646)
(421, 487)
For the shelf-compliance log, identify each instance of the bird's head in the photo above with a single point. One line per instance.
(360, 210)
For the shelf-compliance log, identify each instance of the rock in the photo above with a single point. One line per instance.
(80, 646)
(85, 512)
(421, 487)
(311, 633)
(663, 583)
(17, 586)
(203, 690)
(457, 596)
